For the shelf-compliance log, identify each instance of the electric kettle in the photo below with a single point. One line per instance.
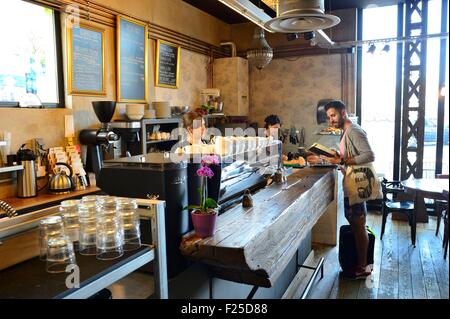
(60, 182)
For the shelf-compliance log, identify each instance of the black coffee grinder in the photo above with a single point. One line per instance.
(99, 141)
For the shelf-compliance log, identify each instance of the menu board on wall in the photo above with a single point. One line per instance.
(132, 57)
(86, 60)
(167, 64)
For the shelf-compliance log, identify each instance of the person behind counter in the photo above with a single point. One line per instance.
(194, 126)
(272, 126)
(354, 150)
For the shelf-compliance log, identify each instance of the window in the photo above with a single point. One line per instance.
(432, 94)
(29, 55)
(378, 91)
(378, 86)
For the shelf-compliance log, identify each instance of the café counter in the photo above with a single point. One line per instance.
(254, 245)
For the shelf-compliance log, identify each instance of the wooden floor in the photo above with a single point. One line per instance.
(400, 271)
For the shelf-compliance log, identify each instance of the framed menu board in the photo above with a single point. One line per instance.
(167, 64)
(132, 60)
(86, 60)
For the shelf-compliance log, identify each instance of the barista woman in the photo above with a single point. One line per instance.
(192, 132)
(272, 126)
(194, 127)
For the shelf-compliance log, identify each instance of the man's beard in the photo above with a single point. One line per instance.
(339, 124)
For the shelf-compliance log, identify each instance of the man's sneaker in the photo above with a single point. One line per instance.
(356, 273)
(361, 273)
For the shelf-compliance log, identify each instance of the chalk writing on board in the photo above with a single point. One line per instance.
(167, 64)
(86, 60)
(132, 39)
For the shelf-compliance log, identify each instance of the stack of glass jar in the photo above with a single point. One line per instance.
(104, 226)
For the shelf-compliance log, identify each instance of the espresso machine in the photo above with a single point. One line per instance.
(130, 137)
(99, 141)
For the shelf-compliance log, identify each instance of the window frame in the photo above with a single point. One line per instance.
(59, 68)
(399, 89)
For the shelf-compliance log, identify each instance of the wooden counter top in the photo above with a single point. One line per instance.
(46, 199)
(254, 245)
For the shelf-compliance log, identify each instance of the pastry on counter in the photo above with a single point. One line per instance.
(300, 161)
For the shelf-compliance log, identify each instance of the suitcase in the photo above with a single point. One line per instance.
(348, 256)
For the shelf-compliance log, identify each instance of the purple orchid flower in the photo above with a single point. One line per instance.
(205, 171)
(210, 160)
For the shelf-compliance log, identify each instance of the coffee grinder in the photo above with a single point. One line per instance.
(99, 141)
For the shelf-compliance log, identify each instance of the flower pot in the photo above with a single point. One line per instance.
(204, 223)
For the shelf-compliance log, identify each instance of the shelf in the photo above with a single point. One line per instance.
(161, 121)
(160, 141)
(46, 199)
(215, 115)
(6, 169)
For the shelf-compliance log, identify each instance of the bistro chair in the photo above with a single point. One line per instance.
(439, 206)
(390, 205)
(446, 237)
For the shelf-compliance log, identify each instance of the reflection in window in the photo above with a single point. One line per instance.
(28, 54)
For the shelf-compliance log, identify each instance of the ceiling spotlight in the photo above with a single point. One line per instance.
(386, 48)
(372, 49)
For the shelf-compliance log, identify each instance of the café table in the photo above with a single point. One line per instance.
(431, 188)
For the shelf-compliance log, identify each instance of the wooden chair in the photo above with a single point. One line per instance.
(390, 204)
(439, 206)
(446, 237)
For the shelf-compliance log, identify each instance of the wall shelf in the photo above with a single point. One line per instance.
(7, 169)
(165, 125)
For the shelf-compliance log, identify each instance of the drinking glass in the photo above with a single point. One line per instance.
(109, 234)
(87, 213)
(69, 213)
(127, 210)
(49, 227)
(89, 199)
(60, 254)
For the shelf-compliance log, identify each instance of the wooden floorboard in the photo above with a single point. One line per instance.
(389, 263)
(400, 271)
(417, 278)
(405, 248)
(431, 285)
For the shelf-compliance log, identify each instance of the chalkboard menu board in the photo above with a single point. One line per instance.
(132, 57)
(86, 60)
(167, 64)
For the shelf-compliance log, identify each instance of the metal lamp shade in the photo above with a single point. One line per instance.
(261, 53)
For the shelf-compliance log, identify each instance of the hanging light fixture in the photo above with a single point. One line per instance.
(261, 53)
(372, 49)
(386, 48)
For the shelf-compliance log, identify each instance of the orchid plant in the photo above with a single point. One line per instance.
(206, 204)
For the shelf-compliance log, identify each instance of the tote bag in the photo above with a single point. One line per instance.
(361, 184)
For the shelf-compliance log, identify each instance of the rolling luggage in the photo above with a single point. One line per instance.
(348, 255)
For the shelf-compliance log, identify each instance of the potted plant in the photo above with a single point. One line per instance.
(204, 215)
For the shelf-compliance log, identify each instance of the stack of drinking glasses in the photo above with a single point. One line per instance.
(104, 226)
(56, 247)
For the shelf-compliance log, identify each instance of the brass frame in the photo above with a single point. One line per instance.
(158, 42)
(119, 97)
(71, 89)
